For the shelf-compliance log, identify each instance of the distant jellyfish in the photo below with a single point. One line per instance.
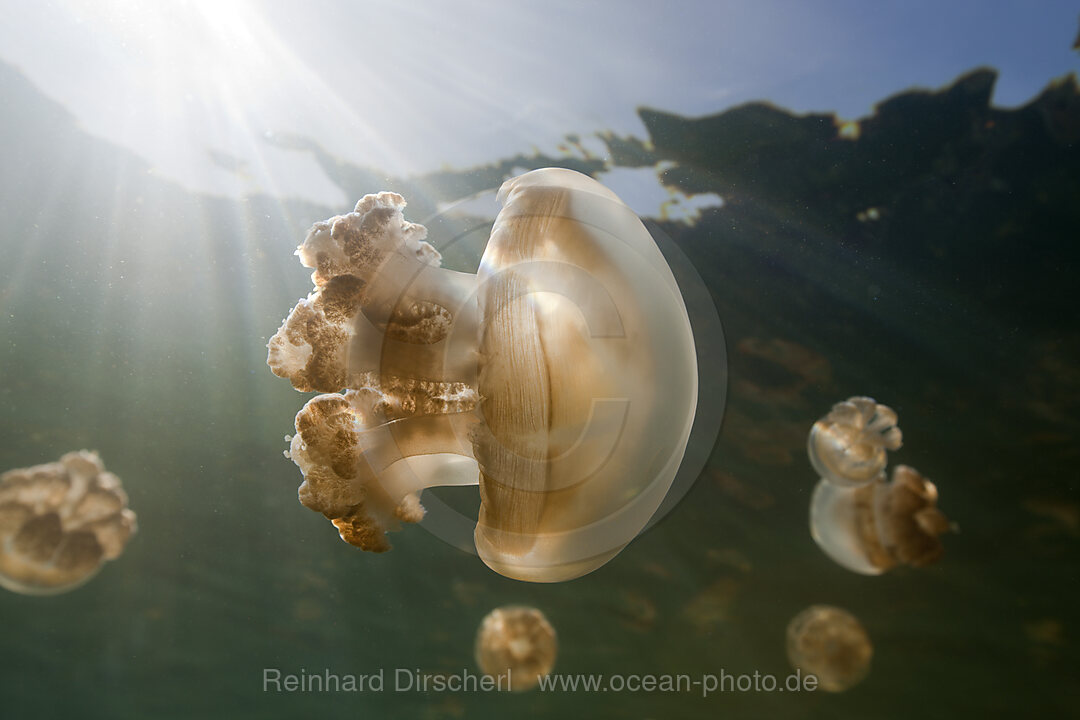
(831, 644)
(59, 523)
(517, 639)
(872, 528)
(847, 446)
(712, 607)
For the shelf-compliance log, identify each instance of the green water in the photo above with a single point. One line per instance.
(134, 317)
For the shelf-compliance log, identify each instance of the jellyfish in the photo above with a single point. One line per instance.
(873, 528)
(847, 446)
(561, 378)
(517, 641)
(59, 523)
(831, 644)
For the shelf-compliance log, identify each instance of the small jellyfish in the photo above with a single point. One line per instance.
(517, 640)
(59, 523)
(831, 644)
(872, 528)
(847, 446)
(712, 607)
(561, 378)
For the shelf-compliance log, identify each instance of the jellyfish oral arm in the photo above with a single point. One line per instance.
(383, 312)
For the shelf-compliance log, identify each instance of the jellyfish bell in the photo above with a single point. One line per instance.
(872, 528)
(59, 523)
(831, 644)
(518, 642)
(561, 378)
(848, 446)
(588, 377)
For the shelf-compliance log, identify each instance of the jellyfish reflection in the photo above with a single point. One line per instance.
(517, 639)
(847, 446)
(831, 644)
(872, 528)
(59, 523)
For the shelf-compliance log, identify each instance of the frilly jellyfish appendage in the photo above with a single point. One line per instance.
(59, 523)
(517, 639)
(831, 644)
(872, 528)
(561, 378)
(848, 446)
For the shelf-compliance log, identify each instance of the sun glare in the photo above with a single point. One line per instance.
(180, 74)
(196, 88)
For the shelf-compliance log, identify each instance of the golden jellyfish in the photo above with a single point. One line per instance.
(848, 446)
(831, 644)
(872, 528)
(561, 377)
(59, 523)
(517, 642)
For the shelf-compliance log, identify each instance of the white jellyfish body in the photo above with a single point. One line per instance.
(848, 446)
(831, 644)
(588, 377)
(871, 528)
(517, 642)
(59, 523)
(561, 378)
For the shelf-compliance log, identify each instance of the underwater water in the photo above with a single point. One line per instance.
(927, 257)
